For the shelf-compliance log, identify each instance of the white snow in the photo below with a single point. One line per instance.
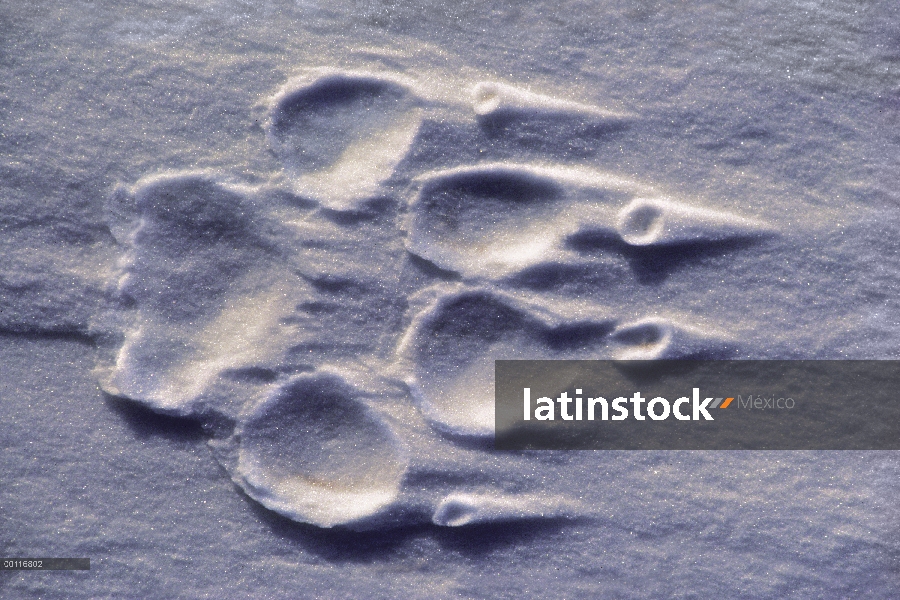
(258, 259)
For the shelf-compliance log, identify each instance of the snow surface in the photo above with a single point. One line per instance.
(259, 258)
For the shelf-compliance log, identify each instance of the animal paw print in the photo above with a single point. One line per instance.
(451, 346)
(341, 133)
(315, 451)
(346, 313)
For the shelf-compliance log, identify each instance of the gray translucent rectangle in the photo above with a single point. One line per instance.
(775, 405)
(45, 564)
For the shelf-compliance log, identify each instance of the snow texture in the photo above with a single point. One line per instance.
(289, 239)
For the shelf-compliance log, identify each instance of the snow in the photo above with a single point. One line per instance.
(258, 258)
